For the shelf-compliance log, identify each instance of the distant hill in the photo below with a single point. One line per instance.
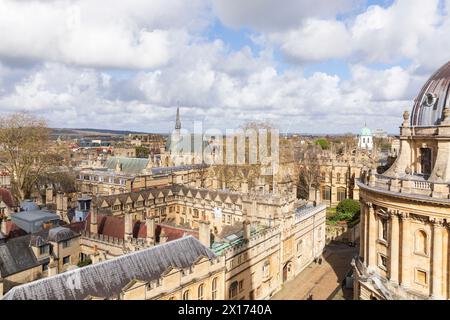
(92, 132)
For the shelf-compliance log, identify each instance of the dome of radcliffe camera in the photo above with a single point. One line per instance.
(434, 97)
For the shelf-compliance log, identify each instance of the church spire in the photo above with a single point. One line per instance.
(178, 122)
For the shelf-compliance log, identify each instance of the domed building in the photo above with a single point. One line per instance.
(405, 212)
(365, 140)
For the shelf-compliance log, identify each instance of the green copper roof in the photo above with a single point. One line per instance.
(132, 166)
(366, 132)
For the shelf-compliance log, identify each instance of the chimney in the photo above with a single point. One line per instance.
(204, 233)
(128, 226)
(3, 226)
(1, 289)
(93, 218)
(47, 225)
(247, 229)
(150, 224)
(52, 267)
(163, 237)
(49, 195)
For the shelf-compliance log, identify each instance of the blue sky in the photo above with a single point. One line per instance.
(304, 66)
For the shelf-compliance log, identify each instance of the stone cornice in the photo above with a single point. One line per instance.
(413, 197)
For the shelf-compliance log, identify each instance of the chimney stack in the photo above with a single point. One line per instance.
(150, 225)
(204, 233)
(163, 237)
(49, 195)
(247, 229)
(52, 267)
(93, 218)
(3, 226)
(128, 226)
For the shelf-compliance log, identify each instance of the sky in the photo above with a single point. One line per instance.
(306, 66)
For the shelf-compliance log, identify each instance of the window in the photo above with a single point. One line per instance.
(421, 277)
(420, 242)
(214, 289)
(341, 194)
(338, 177)
(186, 295)
(383, 229)
(45, 266)
(66, 244)
(66, 260)
(200, 291)
(233, 290)
(266, 269)
(44, 250)
(326, 193)
(383, 262)
(241, 285)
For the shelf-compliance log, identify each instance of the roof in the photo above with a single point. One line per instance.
(433, 98)
(16, 255)
(56, 234)
(107, 279)
(366, 132)
(112, 226)
(28, 205)
(30, 221)
(132, 166)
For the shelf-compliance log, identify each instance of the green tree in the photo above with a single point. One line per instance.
(323, 143)
(347, 210)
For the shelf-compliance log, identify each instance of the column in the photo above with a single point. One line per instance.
(436, 261)
(406, 251)
(362, 231)
(394, 243)
(372, 254)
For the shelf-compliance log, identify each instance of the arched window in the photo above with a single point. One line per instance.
(421, 242)
(200, 291)
(233, 290)
(341, 194)
(186, 295)
(214, 289)
(326, 193)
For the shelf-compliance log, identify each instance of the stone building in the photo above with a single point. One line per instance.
(183, 269)
(34, 256)
(404, 251)
(338, 176)
(365, 139)
(260, 240)
(122, 175)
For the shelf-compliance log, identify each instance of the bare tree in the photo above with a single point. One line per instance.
(308, 170)
(25, 151)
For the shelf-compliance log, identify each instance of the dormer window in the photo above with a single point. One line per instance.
(45, 249)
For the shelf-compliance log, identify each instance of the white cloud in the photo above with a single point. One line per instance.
(97, 33)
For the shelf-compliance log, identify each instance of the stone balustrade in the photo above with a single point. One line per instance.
(407, 186)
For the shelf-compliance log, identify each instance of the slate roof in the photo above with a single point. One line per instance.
(16, 255)
(107, 279)
(132, 166)
(56, 234)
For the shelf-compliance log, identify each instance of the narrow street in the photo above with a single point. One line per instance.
(322, 281)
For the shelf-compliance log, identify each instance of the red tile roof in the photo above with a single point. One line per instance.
(13, 231)
(114, 227)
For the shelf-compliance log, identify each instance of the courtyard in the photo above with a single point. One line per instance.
(322, 281)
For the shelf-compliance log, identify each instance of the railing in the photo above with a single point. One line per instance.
(407, 185)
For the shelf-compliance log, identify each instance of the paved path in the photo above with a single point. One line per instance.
(320, 280)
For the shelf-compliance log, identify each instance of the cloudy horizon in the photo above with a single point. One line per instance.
(305, 66)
